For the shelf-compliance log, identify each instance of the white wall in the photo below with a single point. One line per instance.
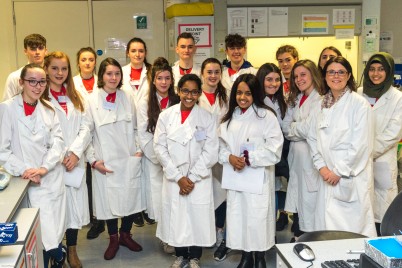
(263, 50)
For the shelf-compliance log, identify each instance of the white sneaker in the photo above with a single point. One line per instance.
(180, 262)
(220, 235)
(195, 263)
(166, 248)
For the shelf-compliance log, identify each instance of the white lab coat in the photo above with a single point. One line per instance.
(187, 220)
(176, 72)
(303, 177)
(116, 194)
(32, 142)
(12, 86)
(143, 86)
(79, 85)
(341, 138)
(387, 123)
(152, 171)
(218, 112)
(227, 80)
(280, 181)
(250, 222)
(76, 138)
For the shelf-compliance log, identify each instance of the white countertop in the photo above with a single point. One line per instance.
(11, 197)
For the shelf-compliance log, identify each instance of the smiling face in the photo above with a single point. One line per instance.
(186, 48)
(236, 54)
(272, 83)
(35, 54)
(189, 94)
(303, 80)
(377, 73)
(162, 82)
(286, 62)
(211, 75)
(86, 63)
(32, 93)
(111, 78)
(57, 71)
(243, 96)
(335, 81)
(137, 54)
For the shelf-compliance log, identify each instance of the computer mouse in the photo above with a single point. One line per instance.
(304, 252)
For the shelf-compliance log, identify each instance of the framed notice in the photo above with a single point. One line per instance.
(200, 31)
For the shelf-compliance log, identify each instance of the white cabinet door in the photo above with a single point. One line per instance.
(64, 24)
(115, 19)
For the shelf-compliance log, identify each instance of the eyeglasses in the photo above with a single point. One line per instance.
(340, 73)
(34, 83)
(246, 157)
(193, 93)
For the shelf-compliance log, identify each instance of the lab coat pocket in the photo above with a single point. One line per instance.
(202, 192)
(177, 142)
(135, 172)
(311, 177)
(342, 140)
(345, 190)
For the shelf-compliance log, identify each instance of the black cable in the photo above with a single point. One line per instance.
(311, 264)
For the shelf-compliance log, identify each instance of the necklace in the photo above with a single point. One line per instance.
(33, 104)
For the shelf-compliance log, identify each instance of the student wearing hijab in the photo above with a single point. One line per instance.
(386, 102)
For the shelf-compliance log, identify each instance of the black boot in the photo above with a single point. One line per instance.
(138, 219)
(98, 226)
(247, 260)
(282, 221)
(260, 259)
(147, 219)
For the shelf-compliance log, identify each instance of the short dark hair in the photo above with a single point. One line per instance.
(34, 40)
(287, 49)
(235, 40)
(102, 69)
(189, 77)
(185, 35)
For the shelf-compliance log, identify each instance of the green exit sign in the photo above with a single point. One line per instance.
(142, 22)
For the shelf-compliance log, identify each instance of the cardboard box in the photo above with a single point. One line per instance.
(8, 233)
(387, 251)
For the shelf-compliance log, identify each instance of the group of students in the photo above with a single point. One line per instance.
(160, 139)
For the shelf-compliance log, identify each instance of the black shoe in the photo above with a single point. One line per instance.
(293, 240)
(59, 264)
(222, 251)
(138, 220)
(260, 259)
(147, 219)
(247, 260)
(98, 227)
(282, 221)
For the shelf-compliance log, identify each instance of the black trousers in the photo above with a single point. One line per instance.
(192, 252)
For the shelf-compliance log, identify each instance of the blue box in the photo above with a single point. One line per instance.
(8, 233)
(386, 251)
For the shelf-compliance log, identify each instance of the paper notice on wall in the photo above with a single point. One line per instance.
(314, 24)
(343, 17)
(237, 21)
(387, 42)
(257, 21)
(200, 31)
(344, 33)
(278, 21)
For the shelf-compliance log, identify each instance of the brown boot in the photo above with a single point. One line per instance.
(72, 257)
(113, 247)
(127, 241)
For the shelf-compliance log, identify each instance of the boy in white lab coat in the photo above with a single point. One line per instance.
(35, 50)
